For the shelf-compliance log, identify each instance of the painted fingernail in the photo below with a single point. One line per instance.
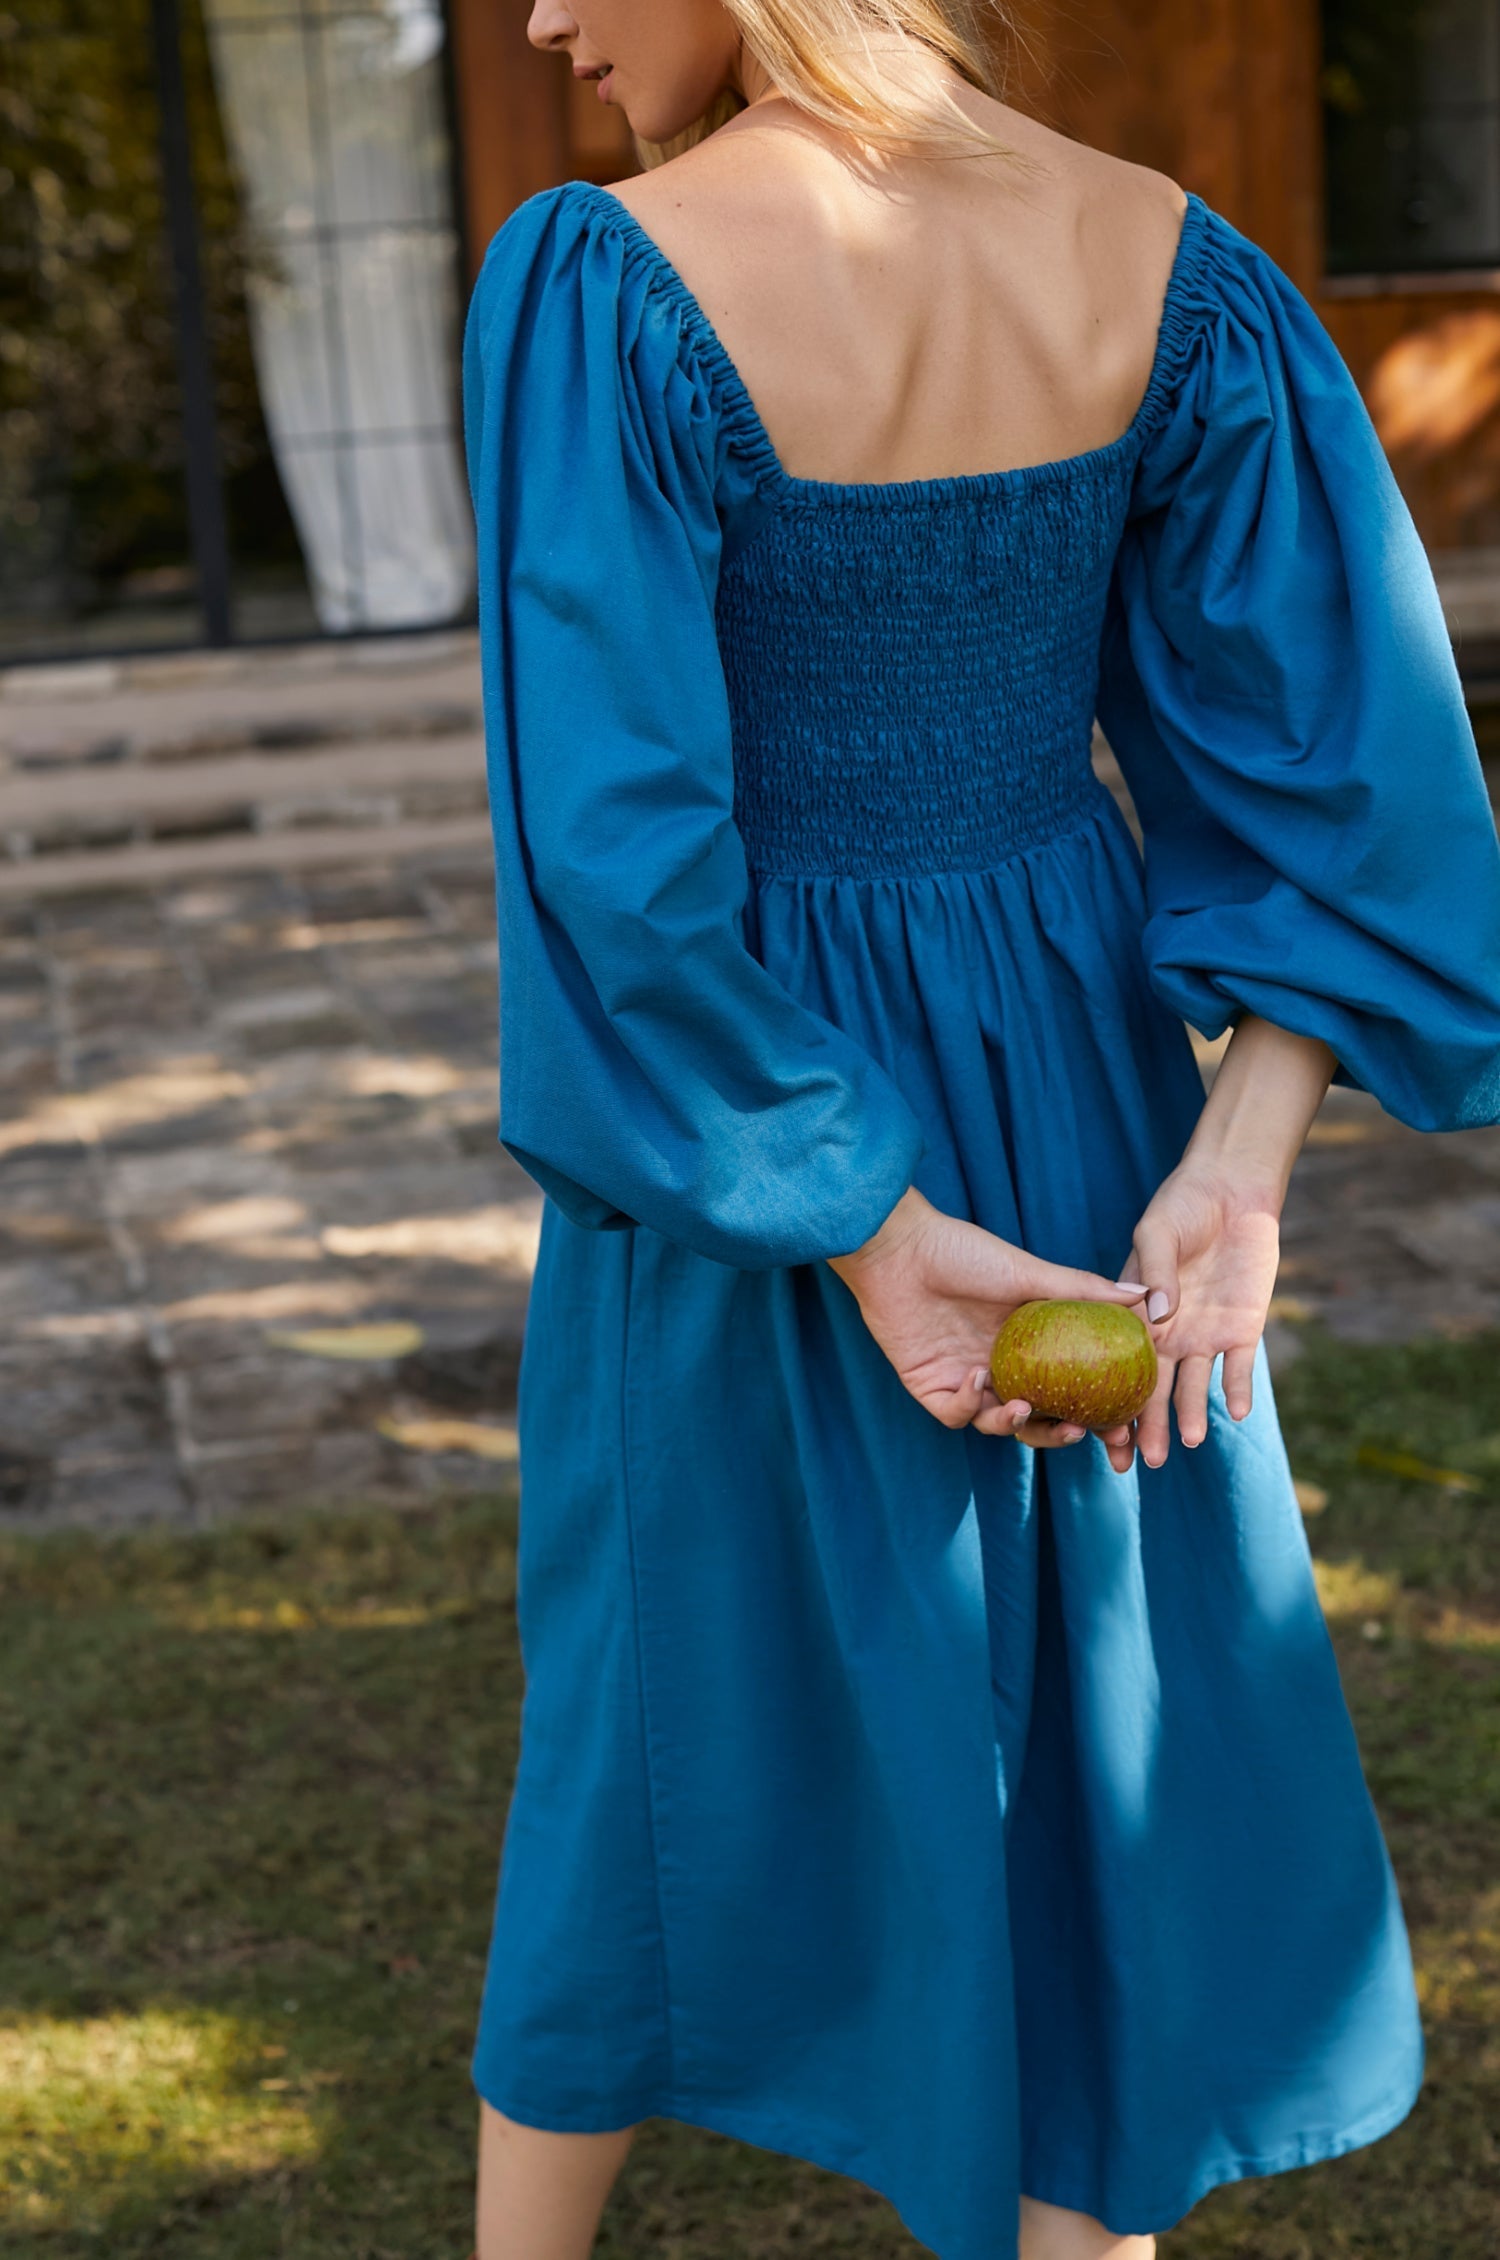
(1070, 1435)
(1136, 1286)
(1158, 1303)
(981, 1376)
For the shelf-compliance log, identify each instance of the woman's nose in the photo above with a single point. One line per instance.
(550, 24)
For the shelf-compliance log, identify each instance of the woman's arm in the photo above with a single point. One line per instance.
(1269, 1086)
(1208, 1244)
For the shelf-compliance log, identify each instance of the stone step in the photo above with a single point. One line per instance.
(376, 782)
(133, 772)
(162, 863)
(98, 714)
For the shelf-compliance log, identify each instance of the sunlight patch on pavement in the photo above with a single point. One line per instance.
(503, 1236)
(133, 1102)
(261, 1224)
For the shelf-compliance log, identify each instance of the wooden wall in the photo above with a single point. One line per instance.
(1222, 94)
(524, 122)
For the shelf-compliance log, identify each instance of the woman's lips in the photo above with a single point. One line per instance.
(603, 83)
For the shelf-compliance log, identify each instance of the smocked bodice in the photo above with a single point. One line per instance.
(911, 665)
(912, 688)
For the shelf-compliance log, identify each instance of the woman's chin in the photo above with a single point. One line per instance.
(656, 126)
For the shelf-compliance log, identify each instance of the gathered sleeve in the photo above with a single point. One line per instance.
(652, 1071)
(1278, 686)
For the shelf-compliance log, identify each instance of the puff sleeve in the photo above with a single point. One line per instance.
(1279, 688)
(652, 1071)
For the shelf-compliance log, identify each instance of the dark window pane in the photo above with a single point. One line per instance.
(1411, 104)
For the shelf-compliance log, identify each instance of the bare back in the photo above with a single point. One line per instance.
(935, 318)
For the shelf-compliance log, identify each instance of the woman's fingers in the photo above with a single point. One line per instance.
(1239, 1370)
(1120, 1450)
(960, 1407)
(1045, 1435)
(1153, 1258)
(1058, 1282)
(1191, 1398)
(1153, 1428)
(996, 1419)
(1003, 1420)
(976, 1406)
(1042, 1432)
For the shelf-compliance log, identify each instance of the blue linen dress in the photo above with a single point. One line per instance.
(965, 1819)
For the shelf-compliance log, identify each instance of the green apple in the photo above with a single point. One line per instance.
(1093, 1363)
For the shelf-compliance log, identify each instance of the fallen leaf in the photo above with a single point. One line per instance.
(396, 1338)
(470, 1436)
(1311, 1497)
(1416, 1471)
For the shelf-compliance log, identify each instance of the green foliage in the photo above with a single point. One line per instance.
(90, 447)
(255, 1783)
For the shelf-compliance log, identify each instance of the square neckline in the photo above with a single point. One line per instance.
(945, 486)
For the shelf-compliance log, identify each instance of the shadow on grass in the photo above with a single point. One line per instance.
(255, 1787)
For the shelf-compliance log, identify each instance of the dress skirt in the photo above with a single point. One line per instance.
(953, 1815)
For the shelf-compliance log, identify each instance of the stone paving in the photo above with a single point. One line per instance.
(243, 1105)
(237, 1110)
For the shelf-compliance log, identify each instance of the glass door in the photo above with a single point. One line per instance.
(229, 323)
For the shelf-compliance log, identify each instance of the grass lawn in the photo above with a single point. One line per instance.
(253, 1791)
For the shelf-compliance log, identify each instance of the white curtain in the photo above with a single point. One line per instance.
(335, 119)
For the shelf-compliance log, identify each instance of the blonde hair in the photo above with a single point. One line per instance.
(821, 56)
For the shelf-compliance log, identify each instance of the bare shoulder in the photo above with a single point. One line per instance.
(1116, 178)
(737, 156)
(1129, 221)
(736, 190)
(719, 195)
(727, 213)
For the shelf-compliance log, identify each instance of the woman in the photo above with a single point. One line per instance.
(911, 1783)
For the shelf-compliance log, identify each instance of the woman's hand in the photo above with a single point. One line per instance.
(935, 1291)
(1209, 1244)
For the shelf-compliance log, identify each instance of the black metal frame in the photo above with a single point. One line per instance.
(200, 421)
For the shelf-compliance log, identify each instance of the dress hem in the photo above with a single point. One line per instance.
(1069, 2186)
(836, 2153)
